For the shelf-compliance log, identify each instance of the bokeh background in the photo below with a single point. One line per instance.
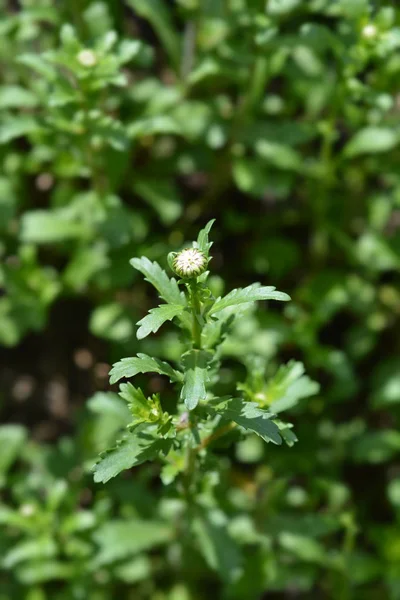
(125, 126)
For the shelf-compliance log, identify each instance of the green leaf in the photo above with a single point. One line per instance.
(142, 363)
(13, 127)
(159, 124)
(195, 363)
(371, 140)
(202, 239)
(15, 96)
(44, 227)
(281, 7)
(219, 549)
(287, 387)
(137, 402)
(251, 417)
(279, 155)
(154, 274)
(120, 539)
(12, 439)
(252, 293)
(134, 449)
(162, 196)
(159, 15)
(376, 446)
(152, 322)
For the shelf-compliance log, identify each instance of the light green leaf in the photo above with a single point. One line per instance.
(195, 363)
(134, 449)
(44, 227)
(13, 127)
(41, 548)
(142, 363)
(287, 387)
(120, 539)
(154, 274)
(15, 96)
(159, 124)
(131, 366)
(219, 549)
(137, 402)
(202, 239)
(252, 293)
(152, 322)
(251, 417)
(371, 140)
(279, 155)
(281, 7)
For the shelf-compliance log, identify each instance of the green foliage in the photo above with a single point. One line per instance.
(126, 126)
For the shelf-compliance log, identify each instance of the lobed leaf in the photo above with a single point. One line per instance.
(251, 293)
(288, 386)
(195, 363)
(202, 239)
(251, 417)
(134, 449)
(152, 322)
(131, 366)
(154, 274)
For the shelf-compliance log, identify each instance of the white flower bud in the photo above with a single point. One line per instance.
(190, 262)
(369, 31)
(87, 58)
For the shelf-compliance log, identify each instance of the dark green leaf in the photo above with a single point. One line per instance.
(251, 417)
(134, 449)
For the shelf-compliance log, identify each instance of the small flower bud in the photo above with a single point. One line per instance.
(87, 58)
(190, 262)
(369, 31)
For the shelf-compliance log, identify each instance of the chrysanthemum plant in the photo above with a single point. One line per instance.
(181, 440)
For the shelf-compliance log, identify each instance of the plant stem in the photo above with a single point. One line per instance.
(196, 311)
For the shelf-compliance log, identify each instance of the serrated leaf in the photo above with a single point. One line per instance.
(202, 239)
(195, 363)
(142, 363)
(251, 417)
(152, 322)
(251, 293)
(134, 449)
(137, 402)
(288, 386)
(121, 539)
(154, 274)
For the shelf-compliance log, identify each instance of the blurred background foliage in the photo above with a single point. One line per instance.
(124, 127)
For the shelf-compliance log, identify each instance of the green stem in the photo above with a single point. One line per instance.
(196, 312)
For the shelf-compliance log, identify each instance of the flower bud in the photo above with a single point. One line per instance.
(190, 262)
(87, 58)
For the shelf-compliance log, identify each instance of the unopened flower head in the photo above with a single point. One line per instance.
(87, 58)
(369, 31)
(190, 262)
